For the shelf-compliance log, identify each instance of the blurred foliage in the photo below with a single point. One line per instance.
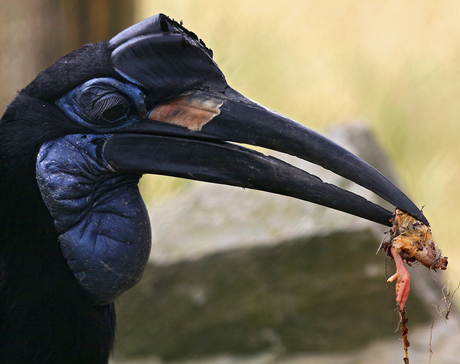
(393, 64)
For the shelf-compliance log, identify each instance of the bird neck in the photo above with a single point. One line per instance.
(44, 315)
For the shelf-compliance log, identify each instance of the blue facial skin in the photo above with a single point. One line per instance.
(84, 104)
(103, 225)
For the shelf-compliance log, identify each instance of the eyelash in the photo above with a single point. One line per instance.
(101, 106)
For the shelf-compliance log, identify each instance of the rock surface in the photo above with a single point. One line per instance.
(241, 276)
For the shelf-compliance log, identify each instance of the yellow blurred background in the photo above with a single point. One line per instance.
(393, 64)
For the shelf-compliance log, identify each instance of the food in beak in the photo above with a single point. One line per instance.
(410, 241)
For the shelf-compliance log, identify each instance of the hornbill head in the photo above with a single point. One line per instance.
(152, 100)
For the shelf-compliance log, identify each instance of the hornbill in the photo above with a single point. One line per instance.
(74, 231)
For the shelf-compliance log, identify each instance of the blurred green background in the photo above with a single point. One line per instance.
(391, 64)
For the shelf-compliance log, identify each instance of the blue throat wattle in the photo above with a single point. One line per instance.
(101, 219)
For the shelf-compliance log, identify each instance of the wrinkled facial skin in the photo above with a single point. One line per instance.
(102, 222)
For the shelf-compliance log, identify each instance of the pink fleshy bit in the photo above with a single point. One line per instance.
(403, 279)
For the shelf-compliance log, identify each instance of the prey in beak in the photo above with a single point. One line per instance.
(193, 119)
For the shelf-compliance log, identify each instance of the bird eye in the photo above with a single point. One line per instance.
(102, 106)
(115, 109)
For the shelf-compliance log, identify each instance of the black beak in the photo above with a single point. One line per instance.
(190, 136)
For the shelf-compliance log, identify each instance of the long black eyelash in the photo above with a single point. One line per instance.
(104, 104)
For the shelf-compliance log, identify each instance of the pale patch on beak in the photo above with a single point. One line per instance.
(192, 110)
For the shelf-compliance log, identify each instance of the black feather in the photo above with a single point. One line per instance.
(40, 297)
(91, 61)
